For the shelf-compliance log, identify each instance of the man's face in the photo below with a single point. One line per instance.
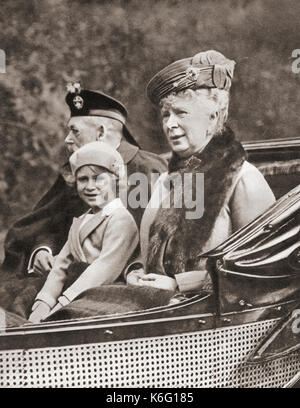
(81, 131)
(96, 186)
(187, 123)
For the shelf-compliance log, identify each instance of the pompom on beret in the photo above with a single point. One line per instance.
(208, 69)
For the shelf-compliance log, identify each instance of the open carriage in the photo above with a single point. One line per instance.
(245, 334)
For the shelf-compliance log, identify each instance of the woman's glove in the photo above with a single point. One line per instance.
(138, 277)
(134, 277)
(40, 310)
(158, 281)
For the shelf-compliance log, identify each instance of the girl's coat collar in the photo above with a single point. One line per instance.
(77, 235)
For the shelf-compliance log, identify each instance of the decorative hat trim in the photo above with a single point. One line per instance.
(209, 69)
(78, 102)
(74, 87)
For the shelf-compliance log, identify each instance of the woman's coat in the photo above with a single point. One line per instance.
(234, 193)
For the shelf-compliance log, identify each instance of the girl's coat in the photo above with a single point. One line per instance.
(105, 240)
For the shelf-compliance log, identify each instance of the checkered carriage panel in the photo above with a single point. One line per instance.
(211, 358)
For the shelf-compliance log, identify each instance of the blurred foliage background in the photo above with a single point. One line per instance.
(116, 46)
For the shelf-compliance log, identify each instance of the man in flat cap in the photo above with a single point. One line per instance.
(35, 239)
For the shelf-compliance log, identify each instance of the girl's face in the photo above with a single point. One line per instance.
(96, 186)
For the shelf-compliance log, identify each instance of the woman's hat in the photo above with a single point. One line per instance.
(97, 154)
(208, 69)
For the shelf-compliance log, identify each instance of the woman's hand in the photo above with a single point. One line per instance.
(133, 278)
(138, 277)
(158, 281)
(40, 311)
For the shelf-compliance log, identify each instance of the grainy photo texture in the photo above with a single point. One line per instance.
(150, 196)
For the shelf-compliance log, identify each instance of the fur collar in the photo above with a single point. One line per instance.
(174, 241)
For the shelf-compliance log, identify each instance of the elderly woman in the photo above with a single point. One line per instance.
(193, 97)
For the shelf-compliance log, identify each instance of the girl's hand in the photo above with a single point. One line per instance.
(62, 301)
(40, 311)
(57, 307)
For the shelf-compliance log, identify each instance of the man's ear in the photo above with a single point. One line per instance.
(101, 132)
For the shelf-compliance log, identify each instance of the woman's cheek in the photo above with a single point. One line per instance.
(164, 126)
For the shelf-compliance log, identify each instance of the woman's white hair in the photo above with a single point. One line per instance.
(219, 96)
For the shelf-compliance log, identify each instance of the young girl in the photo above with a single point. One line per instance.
(105, 237)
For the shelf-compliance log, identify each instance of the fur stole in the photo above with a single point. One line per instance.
(175, 241)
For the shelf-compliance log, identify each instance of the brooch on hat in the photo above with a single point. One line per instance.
(191, 74)
(75, 88)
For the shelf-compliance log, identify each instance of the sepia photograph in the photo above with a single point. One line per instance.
(150, 196)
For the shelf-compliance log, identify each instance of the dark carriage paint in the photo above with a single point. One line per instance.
(273, 149)
(177, 319)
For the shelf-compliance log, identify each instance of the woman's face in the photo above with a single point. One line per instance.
(189, 122)
(95, 188)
